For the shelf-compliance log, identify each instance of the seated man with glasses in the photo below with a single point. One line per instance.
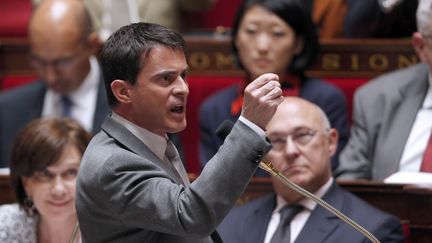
(62, 52)
(303, 144)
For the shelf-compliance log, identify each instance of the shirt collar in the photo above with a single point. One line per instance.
(154, 142)
(306, 202)
(427, 102)
(91, 82)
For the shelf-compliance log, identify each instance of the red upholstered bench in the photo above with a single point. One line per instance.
(14, 17)
(10, 82)
(200, 88)
(348, 87)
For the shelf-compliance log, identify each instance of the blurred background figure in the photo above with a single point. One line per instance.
(328, 16)
(391, 129)
(109, 15)
(62, 50)
(303, 143)
(275, 36)
(46, 155)
(380, 18)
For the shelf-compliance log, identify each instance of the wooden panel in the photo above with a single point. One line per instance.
(212, 56)
(6, 195)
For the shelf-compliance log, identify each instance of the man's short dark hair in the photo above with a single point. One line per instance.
(294, 13)
(126, 51)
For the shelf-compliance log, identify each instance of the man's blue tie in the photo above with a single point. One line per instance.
(67, 106)
(283, 232)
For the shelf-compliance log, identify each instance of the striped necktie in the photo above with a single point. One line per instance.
(173, 158)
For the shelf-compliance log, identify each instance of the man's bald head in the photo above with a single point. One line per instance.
(56, 17)
(61, 43)
(303, 144)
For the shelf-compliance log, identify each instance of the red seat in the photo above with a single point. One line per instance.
(200, 88)
(221, 14)
(10, 82)
(14, 17)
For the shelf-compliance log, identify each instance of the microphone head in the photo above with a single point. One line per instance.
(224, 129)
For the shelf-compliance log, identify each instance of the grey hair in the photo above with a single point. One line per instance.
(324, 119)
(424, 17)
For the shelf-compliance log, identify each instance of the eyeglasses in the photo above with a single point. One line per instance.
(59, 64)
(299, 138)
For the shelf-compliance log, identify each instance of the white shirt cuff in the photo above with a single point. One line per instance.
(254, 127)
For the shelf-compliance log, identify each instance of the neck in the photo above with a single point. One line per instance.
(51, 231)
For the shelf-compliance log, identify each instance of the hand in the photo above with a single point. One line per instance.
(261, 99)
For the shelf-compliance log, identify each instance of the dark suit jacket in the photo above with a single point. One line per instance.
(125, 193)
(366, 19)
(384, 113)
(217, 108)
(248, 223)
(21, 105)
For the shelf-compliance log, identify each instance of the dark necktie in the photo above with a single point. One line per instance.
(283, 232)
(173, 158)
(67, 106)
(426, 165)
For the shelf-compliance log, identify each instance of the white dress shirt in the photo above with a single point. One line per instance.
(84, 99)
(419, 136)
(298, 222)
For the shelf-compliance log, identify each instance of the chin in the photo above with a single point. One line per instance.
(177, 127)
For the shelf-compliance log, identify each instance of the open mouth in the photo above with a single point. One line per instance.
(177, 109)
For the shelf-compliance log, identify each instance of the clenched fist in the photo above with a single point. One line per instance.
(261, 99)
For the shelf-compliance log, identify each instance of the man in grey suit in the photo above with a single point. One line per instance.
(62, 52)
(130, 186)
(392, 114)
(303, 144)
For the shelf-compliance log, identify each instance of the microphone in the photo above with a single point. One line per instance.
(225, 128)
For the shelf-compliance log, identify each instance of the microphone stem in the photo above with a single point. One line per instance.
(267, 166)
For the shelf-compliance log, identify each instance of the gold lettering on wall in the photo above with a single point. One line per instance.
(405, 61)
(224, 60)
(199, 60)
(331, 61)
(354, 62)
(378, 62)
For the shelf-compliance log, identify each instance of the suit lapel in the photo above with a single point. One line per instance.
(321, 222)
(258, 220)
(131, 142)
(396, 134)
(38, 101)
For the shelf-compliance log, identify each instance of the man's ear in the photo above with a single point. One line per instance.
(418, 42)
(94, 43)
(120, 89)
(333, 141)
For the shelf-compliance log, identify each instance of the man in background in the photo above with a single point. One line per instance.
(303, 144)
(392, 116)
(62, 52)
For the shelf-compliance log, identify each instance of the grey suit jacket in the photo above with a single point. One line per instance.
(125, 193)
(384, 112)
(23, 104)
(248, 223)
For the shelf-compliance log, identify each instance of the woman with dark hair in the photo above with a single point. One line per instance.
(272, 36)
(45, 158)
